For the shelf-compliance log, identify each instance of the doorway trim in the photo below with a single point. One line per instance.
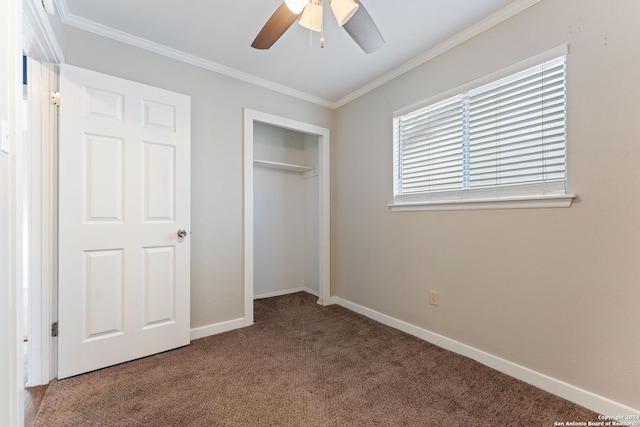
(323, 134)
(41, 205)
(39, 43)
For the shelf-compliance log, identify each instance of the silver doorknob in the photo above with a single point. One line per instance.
(182, 233)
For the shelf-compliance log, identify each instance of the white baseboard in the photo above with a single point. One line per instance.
(582, 397)
(286, 292)
(218, 328)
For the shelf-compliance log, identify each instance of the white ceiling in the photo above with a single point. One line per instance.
(217, 34)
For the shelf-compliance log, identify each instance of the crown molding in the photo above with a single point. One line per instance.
(39, 38)
(93, 27)
(84, 24)
(470, 32)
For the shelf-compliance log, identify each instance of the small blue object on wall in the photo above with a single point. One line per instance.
(24, 69)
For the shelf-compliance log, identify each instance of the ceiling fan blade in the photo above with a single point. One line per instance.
(279, 22)
(363, 30)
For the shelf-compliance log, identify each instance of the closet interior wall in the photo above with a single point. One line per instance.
(286, 211)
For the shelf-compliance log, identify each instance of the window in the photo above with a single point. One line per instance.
(500, 141)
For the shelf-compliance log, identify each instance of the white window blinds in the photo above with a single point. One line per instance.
(503, 139)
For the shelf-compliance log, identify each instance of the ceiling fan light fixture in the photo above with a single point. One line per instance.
(352, 14)
(296, 6)
(312, 17)
(343, 10)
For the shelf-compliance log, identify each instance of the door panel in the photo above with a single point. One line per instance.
(103, 289)
(160, 286)
(103, 169)
(160, 182)
(123, 195)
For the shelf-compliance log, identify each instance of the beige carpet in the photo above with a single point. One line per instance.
(303, 365)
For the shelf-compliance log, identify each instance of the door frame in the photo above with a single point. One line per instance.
(41, 204)
(40, 43)
(324, 261)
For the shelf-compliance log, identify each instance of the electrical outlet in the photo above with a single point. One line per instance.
(433, 298)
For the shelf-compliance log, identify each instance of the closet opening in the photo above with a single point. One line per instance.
(286, 209)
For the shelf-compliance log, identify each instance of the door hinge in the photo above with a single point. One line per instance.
(54, 98)
(54, 329)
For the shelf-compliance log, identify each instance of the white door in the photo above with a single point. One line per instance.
(124, 196)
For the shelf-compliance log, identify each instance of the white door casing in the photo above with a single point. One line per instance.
(324, 202)
(124, 192)
(40, 182)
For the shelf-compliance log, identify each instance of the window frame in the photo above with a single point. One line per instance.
(538, 195)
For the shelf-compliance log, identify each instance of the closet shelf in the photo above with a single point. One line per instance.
(282, 166)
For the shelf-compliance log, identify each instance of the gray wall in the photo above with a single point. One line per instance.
(216, 177)
(554, 290)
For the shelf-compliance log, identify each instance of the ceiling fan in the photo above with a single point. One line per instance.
(350, 14)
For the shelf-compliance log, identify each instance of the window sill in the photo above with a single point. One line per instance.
(536, 202)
